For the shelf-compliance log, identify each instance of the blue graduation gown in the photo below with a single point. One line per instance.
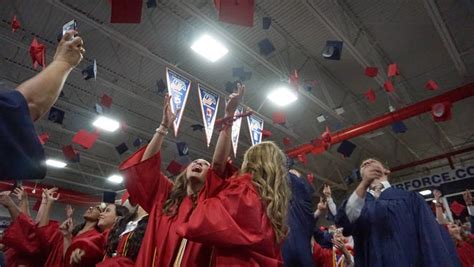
(21, 153)
(297, 247)
(397, 229)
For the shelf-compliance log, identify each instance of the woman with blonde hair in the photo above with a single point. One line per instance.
(245, 220)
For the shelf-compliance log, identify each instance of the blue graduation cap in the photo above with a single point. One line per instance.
(247, 75)
(238, 72)
(151, 4)
(399, 127)
(346, 148)
(266, 22)
(333, 50)
(98, 109)
(182, 148)
(161, 86)
(109, 197)
(266, 47)
(197, 127)
(122, 148)
(90, 71)
(56, 115)
(137, 142)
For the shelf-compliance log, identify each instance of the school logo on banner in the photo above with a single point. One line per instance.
(255, 128)
(178, 88)
(209, 104)
(236, 129)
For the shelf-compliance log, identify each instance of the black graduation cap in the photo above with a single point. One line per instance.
(346, 148)
(333, 50)
(197, 127)
(109, 197)
(266, 22)
(399, 127)
(98, 109)
(266, 47)
(230, 87)
(161, 86)
(151, 4)
(56, 115)
(238, 72)
(182, 148)
(137, 142)
(122, 148)
(91, 71)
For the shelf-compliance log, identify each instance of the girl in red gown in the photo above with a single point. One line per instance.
(245, 218)
(168, 203)
(464, 244)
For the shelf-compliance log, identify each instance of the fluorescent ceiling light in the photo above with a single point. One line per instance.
(115, 178)
(106, 124)
(209, 48)
(56, 163)
(321, 118)
(425, 192)
(339, 110)
(282, 96)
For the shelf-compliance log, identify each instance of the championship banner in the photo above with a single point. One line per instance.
(236, 129)
(178, 89)
(436, 179)
(209, 104)
(255, 128)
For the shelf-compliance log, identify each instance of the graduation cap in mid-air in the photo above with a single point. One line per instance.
(388, 86)
(332, 50)
(56, 115)
(266, 133)
(85, 139)
(174, 167)
(457, 208)
(129, 11)
(371, 71)
(37, 53)
(106, 100)
(15, 24)
(346, 148)
(392, 70)
(236, 12)
(265, 47)
(98, 109)
(197, 127)
(137, 142)
(109, 197)
(279, 117)
(90, 71)
(151, 4)
(431, 85)
(122, 148)
(266, 22)
(370, 95)
(161, 86)
(399, 127)
(70, 153)
(183, 149)
(44, 137)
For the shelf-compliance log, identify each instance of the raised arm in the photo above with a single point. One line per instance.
(43, 90)
(224, 144)
(322, 207)
(8, 203)
(166, 122)
(439, 208)
(470, 207)
(331, 205)
(51, 198)
(22, 196)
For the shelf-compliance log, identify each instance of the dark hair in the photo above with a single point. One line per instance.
(134, 241)
(79, 227)
(120, 211)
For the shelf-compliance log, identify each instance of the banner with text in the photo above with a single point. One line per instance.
(255, 128)
(236, 129)
(178, 89)
(209, 105)
(439, 178)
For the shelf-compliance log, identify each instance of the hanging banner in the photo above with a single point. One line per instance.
(236, 129)
(178, 89)
(255, 128)
(436, 179)
(209, 104)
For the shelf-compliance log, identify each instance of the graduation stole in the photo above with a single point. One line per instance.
(338, 259)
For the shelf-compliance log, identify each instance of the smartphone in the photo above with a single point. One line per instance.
(71, 25)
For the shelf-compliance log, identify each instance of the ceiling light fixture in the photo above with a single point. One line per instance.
(115, 178)
(209, 48)
(106, 124)
(282, 96)
(425, 192)
(56, 163)
(321, 118)
(339, 110)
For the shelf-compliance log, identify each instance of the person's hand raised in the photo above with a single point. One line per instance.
(327, 191)
(322, 205)
(70, 49)
(234, 100)
(168, 115)
(467, 197)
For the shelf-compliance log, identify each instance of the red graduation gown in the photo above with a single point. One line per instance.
(148, 187)
(466, 253)
(120, 260)
(234, 221)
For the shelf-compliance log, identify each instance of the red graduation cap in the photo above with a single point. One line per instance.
(293, 80)
(15, 24)
(126, 11)
(392, 70)
(266, 133)
(431, 85)
(37, 53)
(106, 101)
(310, 177)
(70, 153)
(388, 86)
(441, 111)
(286, 141)
(85, 138)
(302, 158)
(279, 117)
(457, 208)
(371, 71)
(370, 95)
(174, 167)
(43, 138)
(236, 12)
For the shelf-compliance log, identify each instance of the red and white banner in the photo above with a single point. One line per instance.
(236, 129)
(178, 89)
(209, 104)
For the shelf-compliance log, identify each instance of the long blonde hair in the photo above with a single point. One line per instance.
(267, 164)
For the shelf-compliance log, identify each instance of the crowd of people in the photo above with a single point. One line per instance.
(213, 213)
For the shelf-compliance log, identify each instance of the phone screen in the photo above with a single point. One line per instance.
(71, 25)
